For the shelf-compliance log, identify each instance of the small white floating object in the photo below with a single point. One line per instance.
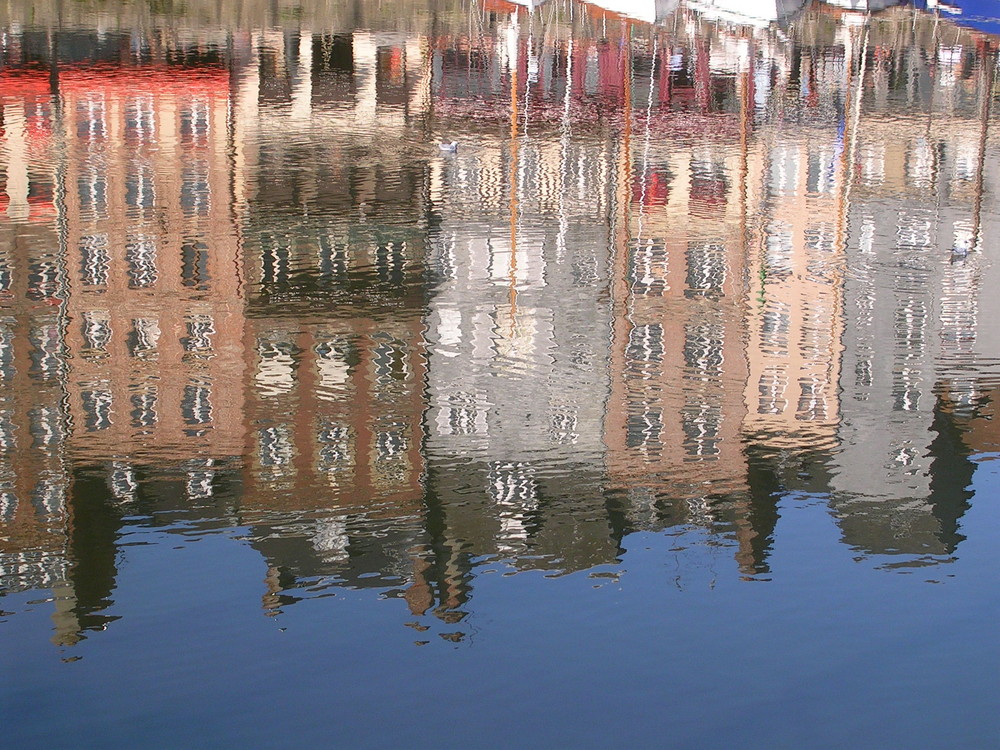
(450, 147)
(963, 242)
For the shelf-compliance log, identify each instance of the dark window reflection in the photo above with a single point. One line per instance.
(194, 265)
(196, 406)
(144, 407)
(141, 255)
(644, 428)
(97, 408)
(94, 259)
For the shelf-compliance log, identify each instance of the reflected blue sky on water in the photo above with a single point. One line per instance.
(577, 660)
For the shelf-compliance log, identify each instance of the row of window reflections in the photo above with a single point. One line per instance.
(46, 358)
(703, 350)
(278, 261)
(141, 258)
(143, 339)
(48, 497)
(140, 188)
(334, 450)
(99, 408)
(701, 427)
(46, 428)
(92, 125)
(701, 421)
(46, 355)
(462, 414)
(335, 360)
(45, 278)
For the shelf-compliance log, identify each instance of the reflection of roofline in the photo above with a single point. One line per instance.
(24, 82)
(505, 6)
(836, 12)
(104, 77)
(512, 5)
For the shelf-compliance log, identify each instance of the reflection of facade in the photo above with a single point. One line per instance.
(33, 481)
(870, 302)
(131, 318)
(517, 329)
(664, 278)
(795, 308)
(674, 417)
(916, 292)
(335, 415)
(678, 338)
(336, 367)
(795, 301)
(519, 319)
(156, 318)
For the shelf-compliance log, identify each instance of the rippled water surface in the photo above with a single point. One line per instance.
(465, 374)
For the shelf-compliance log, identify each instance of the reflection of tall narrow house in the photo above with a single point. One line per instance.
(334, 410)
(518, 320)
(794, 299)
(333, 224)
(518, 325)
(33, 481)
(155, 309)
(918, 272)
(678, 349)
(679, 338)
(40, 524)
(677, 353)
(794, 304)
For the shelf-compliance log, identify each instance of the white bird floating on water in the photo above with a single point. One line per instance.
(449, 147)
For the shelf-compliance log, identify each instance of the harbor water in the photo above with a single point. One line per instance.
(479, 374)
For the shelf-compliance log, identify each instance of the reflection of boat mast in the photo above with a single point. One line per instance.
(620, 322)
(514, 203)
(644, 180)
(852, 119)
(746, 126)
(564, 151)
(773, 119)
(987, 65)
(745, 532)
(65, 618)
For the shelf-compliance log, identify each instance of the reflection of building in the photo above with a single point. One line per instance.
(666, 276)
(915, 291)
(795, 304)
(518, 322)
(155, 306)
(336, 367)
(677, 354)
(517, 328)
(795, 309)
(185, 24)
(33, 481)
(861, 305)
(335, 415)
(126, 319)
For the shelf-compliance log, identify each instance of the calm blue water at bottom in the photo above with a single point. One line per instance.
(831, 653)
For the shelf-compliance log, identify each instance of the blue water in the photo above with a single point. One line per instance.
(674, 648)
